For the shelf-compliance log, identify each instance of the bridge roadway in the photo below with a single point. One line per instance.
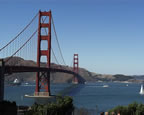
(18, 69)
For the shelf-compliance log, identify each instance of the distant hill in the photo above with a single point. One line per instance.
(85, 75)
(139, 77)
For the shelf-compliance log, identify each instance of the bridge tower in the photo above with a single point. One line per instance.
(43, 78)
(1, 79)
(75, 67)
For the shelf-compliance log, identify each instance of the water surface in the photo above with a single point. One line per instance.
(90, 95)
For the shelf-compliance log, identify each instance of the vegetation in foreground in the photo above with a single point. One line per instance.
(62, 106)
(8, 108)
(132, 109)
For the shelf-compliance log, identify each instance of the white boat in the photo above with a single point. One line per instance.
(105, 85)
(16, 82)
(141, 90)
(26, 83)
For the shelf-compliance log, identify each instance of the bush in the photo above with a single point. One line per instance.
(62, 106)
(131, 109)
(8, 108)
(82, 111)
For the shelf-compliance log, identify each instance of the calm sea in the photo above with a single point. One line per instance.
(90, 95)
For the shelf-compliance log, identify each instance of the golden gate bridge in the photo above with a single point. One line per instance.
(42, 38)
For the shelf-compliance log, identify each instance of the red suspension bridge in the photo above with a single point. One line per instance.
(38, 45)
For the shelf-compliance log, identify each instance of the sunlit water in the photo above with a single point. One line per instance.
(90, 95)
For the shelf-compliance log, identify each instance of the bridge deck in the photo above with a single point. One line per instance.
(17, 69)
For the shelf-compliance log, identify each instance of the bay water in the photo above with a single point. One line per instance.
(101, 96)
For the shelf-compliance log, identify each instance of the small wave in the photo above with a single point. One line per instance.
(93, 86)
(28, 85)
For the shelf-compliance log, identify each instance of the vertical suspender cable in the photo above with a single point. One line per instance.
(20, 32)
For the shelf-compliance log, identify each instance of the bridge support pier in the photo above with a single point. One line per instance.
(1, 80)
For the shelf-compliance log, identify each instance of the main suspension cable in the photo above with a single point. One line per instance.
(57, 41)
(51, 47)
(22, 46)
(55, 57)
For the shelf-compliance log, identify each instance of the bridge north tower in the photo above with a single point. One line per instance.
(75, 67)
(43, 78)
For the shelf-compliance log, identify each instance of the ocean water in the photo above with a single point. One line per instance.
(90, 95)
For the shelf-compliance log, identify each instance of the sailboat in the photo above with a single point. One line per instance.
(141, 90)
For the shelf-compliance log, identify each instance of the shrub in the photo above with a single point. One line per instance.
(131, 109)
(8, 108)
(62, 106)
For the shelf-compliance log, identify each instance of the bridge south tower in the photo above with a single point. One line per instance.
(43, 78)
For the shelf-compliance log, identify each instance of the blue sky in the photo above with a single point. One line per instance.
(108, 35)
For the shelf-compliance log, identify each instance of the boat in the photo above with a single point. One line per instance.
(26, 83)
(105, 85)
(16, 82)
(141, 90)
